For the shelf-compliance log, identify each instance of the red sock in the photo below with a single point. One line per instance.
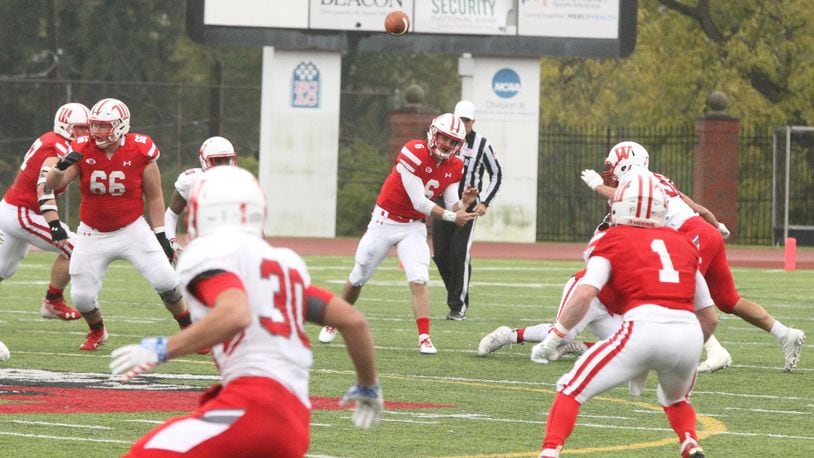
(423, 325)
(53, 293)
(521, 335)
(561, 420)
(183, 319)
(681, 416)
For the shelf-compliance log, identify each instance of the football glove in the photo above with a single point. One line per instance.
(543, 352)
(724, 230)
(131, 360)
(165, 245)
(369, 404)
(592, 178)
(57, 231)
(70, 159)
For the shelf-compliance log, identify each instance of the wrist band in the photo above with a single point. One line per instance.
(448, 216)
(158, 229)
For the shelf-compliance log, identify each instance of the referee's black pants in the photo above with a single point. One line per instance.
(451, 247)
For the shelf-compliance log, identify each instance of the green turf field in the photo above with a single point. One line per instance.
(493, 406)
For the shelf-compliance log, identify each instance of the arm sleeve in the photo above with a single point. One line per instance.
(451, 196)
(702, 296)
(415, 191)
(316, 300)
(207, 285)
(597, 273)
(495, 173)
(170, 221)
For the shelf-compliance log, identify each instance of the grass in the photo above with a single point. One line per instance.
(493, 406)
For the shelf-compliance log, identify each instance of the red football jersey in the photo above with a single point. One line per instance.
(605, 295)
(23, 192)
(648, 266)
(415, 156)
(112, 188)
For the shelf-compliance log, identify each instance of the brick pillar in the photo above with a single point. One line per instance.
(715, 178)
(408, 123)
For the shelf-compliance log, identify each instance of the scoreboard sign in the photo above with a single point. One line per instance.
(574, 28)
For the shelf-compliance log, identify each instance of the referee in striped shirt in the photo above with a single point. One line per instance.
(452, 244)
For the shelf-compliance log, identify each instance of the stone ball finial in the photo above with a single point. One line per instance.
(414, 94)
(717, 102)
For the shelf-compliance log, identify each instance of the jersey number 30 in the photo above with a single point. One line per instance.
(288, 302)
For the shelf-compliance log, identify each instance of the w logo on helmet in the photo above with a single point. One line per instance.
(65, 115)
(623, 152)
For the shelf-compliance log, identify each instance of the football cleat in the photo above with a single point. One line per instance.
(495, 340)
(716, 360)
(456, 315)
(550, 452)
(58, 309)
(792, 344)
(691, 449)
(327, 334)
(425, 346)
(94, 340)
(574, 347)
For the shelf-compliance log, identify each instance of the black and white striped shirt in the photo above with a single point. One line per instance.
(478, 156)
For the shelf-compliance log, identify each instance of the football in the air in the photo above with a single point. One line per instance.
(397, 23)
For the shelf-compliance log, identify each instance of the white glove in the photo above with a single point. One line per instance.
(131, 360)
(543, 351)
(724, 231)
(369, 404)
(591, 178)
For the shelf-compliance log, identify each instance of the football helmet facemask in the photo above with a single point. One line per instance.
(109, 121)
(68, 118)
(226, 199)
(623, 158)
(446, 136)
(217, 151)
(639, 201)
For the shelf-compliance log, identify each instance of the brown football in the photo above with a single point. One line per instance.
(397, 23)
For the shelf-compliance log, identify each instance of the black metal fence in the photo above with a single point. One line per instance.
(568, 211)
(179, 116)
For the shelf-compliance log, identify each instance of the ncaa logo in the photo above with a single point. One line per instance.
(305, 86)
(506, 83)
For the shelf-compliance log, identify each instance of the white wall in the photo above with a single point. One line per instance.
(507, 113)
(299, 141)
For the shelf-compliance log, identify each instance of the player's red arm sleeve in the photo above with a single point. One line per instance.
(207, 286)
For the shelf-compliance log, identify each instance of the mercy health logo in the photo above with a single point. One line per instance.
(305, 85)
(506, 83)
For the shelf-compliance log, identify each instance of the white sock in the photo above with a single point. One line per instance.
(712, 345)
(779, 330)
(536, 333)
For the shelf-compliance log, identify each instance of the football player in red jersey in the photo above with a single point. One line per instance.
(424, 170)
(700, 224)
(28, 211)
(117, 172)
(653, 271)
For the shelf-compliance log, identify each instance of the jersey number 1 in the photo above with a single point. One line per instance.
(667, 273)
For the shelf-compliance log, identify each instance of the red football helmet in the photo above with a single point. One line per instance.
(446, 135)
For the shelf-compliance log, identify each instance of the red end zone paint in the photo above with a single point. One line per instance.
(26, 399)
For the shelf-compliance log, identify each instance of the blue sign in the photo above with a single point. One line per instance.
(305, 86)
(506, 83)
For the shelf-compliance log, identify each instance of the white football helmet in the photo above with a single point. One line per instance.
(217, 151)
(639, 201)
(69, 117)
(622, 159)
(109, 121)
(446, 135)
(226, 199)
